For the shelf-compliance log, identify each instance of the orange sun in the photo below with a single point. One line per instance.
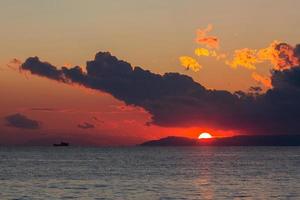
(205, 136)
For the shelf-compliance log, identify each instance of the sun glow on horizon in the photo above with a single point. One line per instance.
(205, 136)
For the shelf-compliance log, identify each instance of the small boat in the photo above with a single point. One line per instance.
(62, 144)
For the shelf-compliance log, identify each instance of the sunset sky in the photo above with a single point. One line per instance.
(150, 34)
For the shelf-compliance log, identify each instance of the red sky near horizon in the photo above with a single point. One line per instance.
(150, 34)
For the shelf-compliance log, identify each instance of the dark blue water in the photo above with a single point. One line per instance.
(150, 173)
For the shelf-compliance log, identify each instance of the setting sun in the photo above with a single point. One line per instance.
(205, 136)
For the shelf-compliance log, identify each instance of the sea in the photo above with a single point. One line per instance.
(142, 173)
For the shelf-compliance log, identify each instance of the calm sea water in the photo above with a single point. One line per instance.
(150, 173)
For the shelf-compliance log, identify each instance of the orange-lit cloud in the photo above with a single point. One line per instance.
(190, 63)
(264, 80)
(285, 57)
(209, 53)
(280, 56)
(204, 39)
(244, 57)
(211, 42)
(269, 54)
(202, 52)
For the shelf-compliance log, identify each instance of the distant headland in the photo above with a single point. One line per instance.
(241, 140)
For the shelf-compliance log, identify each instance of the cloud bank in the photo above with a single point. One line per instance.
(176, 100)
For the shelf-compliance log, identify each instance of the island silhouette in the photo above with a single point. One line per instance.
(240, 140)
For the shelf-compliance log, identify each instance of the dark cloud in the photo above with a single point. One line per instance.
(86, 125)
(287, 79)
(255, 89)
(297, 52)
(177, 100)
(21, 121)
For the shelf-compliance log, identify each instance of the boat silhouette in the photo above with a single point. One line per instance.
(62, 144)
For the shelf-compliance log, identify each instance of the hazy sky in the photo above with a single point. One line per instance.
(147, 33)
